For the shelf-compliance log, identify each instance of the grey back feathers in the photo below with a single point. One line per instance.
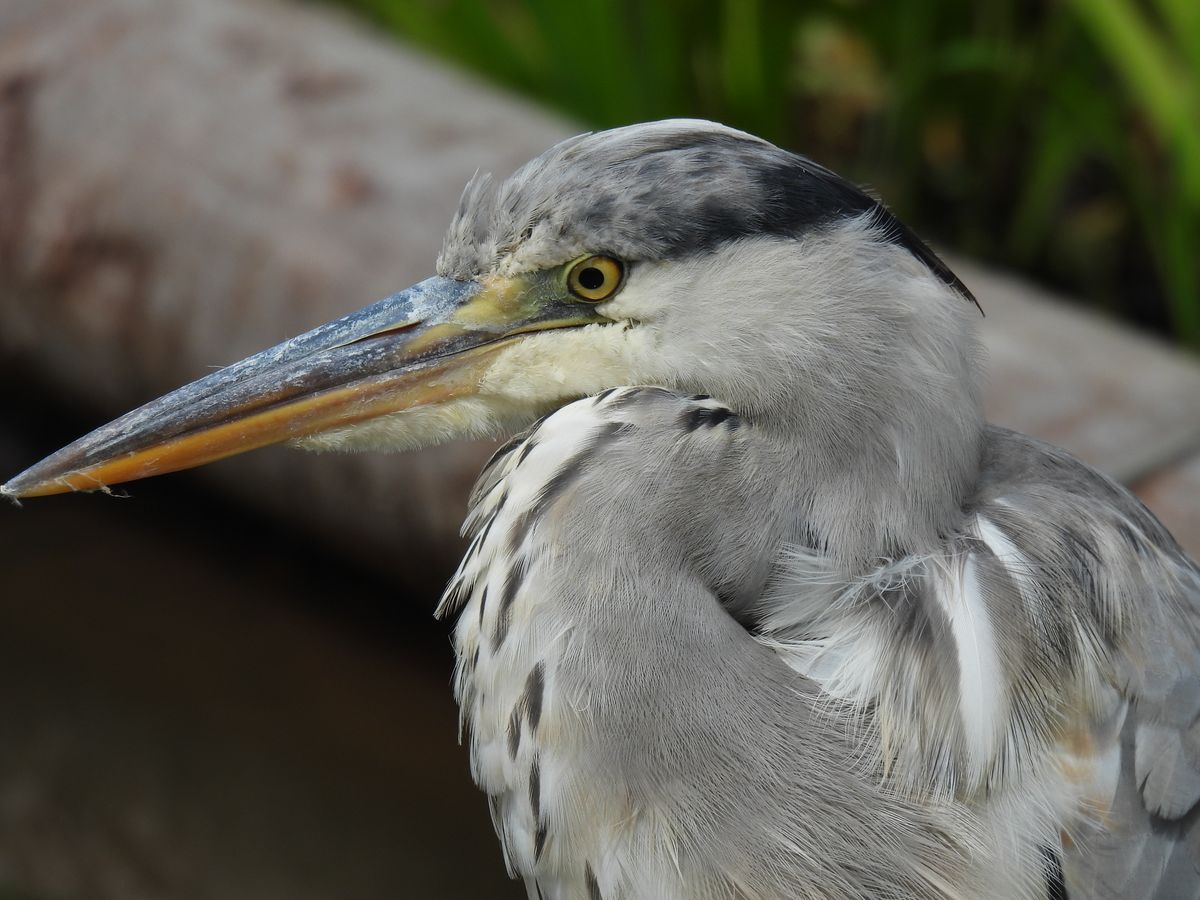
(856, 715)
(821, 633)
(672, 755)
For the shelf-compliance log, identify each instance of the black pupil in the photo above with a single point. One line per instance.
(591, 279)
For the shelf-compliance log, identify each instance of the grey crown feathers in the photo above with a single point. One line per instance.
(657, 192)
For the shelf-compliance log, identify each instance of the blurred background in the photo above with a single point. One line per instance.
(229, 684)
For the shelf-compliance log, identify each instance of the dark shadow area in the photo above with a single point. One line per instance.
(199, 703)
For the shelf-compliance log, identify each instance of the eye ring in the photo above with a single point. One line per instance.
(596, 278)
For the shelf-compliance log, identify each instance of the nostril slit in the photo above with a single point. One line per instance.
(399, 329)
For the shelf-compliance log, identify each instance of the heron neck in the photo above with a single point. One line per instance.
(872, 484)
(857, 366)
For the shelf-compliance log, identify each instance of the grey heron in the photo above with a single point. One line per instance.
(756, 605)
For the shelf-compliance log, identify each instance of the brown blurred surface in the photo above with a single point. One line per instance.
(197, 705)
(1173, 492)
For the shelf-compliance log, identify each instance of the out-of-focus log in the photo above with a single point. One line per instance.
(183, 182)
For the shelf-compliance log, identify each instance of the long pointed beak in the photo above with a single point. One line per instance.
(425, 345)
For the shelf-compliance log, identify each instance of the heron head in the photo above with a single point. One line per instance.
(678, 253)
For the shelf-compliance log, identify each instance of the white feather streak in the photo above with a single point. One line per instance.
(980, 681)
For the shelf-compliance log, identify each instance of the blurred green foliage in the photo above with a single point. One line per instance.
(1059, 136)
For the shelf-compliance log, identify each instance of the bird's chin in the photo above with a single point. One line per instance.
(412, 429)
(549, 369)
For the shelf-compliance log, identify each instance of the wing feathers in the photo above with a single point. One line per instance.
(1056, 682)
(1166, 769)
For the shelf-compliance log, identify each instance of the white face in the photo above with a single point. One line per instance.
(711, 323)
(761, 324)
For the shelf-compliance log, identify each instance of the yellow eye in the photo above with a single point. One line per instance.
(595, 278)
